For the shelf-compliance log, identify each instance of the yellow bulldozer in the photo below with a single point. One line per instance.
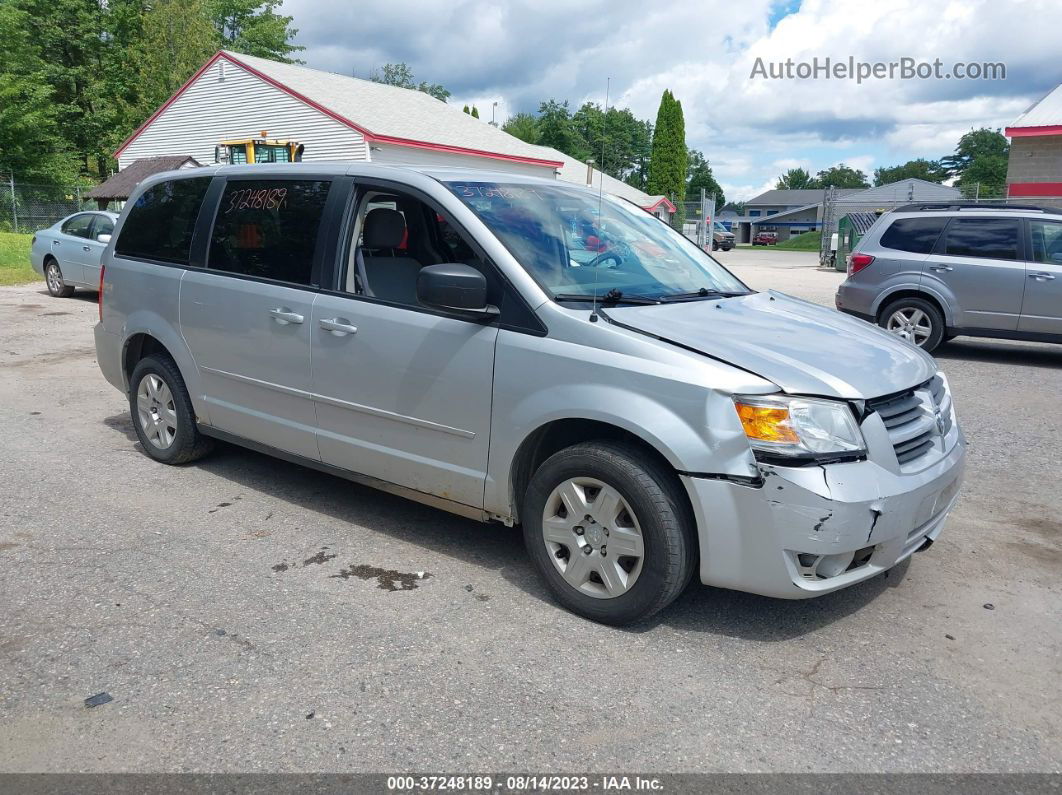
(258, 150)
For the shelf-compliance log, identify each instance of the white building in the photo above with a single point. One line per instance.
(235, 96)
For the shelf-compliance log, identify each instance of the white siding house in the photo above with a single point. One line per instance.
(335, 117)
(343, 118)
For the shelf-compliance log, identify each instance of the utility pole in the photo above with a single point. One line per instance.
(492, 109)
(14, 206)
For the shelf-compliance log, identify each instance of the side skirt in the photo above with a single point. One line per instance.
(443, 504)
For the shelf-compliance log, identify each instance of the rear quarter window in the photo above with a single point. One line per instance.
(916, 235)
(161, 222)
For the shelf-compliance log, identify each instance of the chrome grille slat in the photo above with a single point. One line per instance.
(910, 422)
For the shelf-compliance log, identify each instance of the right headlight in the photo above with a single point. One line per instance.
(799, 428)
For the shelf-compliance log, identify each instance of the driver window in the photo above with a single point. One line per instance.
(394, 236)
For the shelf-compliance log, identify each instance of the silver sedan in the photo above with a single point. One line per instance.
(67, 254)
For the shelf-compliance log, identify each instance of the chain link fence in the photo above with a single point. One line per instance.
(26, 207)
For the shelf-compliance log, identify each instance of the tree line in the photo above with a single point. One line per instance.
(979, 161)
(77, 76)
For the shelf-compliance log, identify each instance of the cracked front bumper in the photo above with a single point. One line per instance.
(851, 521)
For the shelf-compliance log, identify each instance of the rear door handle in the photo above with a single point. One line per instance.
(55, 242)
(284, 316)
(338, 326)
(1041, 277)
(940, 268)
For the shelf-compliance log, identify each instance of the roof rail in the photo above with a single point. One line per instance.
(945, 206)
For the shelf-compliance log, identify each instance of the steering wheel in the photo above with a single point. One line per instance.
(608, 255)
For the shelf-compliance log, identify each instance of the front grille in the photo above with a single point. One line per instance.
(911, 418)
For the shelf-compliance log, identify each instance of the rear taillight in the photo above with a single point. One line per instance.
(856, 262)
(103, 270)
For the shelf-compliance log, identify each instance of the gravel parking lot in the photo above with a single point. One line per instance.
(250, 615)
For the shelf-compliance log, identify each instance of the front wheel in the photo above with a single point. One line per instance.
(915, 320)
(608, 530)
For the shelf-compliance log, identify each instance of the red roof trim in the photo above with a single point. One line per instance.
(369, 136)
(662, 200)
(1025, 132)
(1034, 189)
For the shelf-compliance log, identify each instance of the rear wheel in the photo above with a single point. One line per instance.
(162, 413)
(53, 275)
(915, 320)
(608, 530)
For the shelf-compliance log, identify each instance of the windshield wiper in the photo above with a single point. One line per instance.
(704, 292)
(611, 298)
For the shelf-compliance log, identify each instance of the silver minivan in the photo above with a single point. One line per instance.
(522, 351)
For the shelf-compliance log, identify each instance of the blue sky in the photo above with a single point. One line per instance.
(520, 53)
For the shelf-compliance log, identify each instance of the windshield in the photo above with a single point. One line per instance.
(577, 245)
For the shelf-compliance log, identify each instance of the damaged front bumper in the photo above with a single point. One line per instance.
(806, 531)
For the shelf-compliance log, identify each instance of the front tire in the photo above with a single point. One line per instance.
(916, 320)
(162, 413)
(53, 276)
(608, 529)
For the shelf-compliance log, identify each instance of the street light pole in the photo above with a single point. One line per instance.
(492, 107)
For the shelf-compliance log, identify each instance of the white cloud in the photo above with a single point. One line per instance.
(520, 53)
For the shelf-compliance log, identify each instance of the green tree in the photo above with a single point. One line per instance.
(700, 176)
(929, 170)
(840, 176)
(401, 75)
(986, 176)
(32, 144)
(556, 129)
(975, 144)
(254, 27)
(177, 38)
(795, 179)
(475, 112)
(466, 110)
(667, 164)
(614, 138)
(523, 126)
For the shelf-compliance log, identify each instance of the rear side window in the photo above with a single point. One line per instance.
(161, 222)
(78, 226)
(917, 235)
(992, 238)
(268, 229)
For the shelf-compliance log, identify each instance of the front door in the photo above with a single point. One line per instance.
(248, 317)
(980, 265)
(1041, 311)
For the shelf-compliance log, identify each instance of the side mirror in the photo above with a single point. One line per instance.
(103, 239)
(456, 287)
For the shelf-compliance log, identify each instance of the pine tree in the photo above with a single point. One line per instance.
(475, 112)
(466, 110)
(668, 162)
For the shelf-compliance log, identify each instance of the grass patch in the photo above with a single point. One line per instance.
(809, 241)
(14, 259)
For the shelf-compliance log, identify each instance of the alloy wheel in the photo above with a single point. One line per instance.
(54, 277)
(910, 323)
(593, 537)
(156, 411)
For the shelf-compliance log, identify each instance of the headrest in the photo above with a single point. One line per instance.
(384, 228)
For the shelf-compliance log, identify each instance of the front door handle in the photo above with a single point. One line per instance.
(284, 316)
(86, 248)
(1042, 277)
(338, 326)
(940, 268)
(55, 242)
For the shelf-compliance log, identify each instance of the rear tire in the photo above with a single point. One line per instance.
(162, 413)
(53, 276)
(916, 320)
(628, 504)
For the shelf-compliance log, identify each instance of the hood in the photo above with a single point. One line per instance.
(804, 348)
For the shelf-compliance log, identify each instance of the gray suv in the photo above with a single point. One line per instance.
(928, 273)
(525, 352)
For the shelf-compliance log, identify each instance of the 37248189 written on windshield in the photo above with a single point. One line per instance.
(575, 243)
